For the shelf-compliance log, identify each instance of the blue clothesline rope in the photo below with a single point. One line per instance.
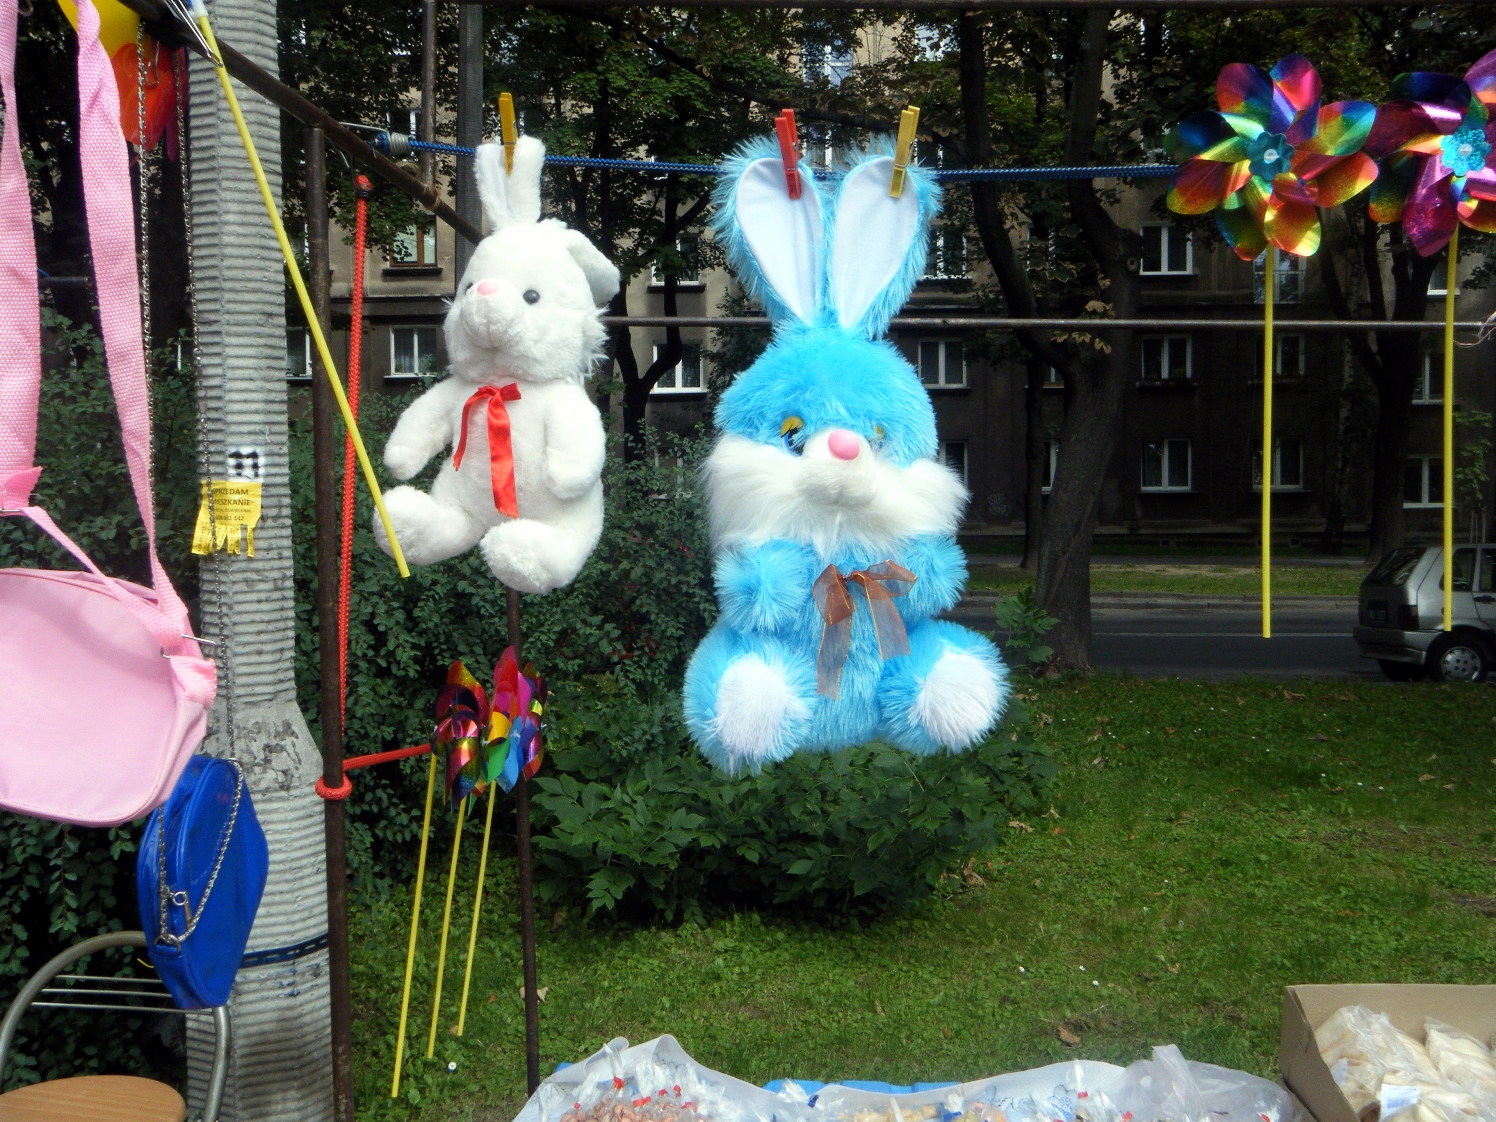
(400, 146)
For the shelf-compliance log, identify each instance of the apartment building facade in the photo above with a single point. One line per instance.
(1187, 464)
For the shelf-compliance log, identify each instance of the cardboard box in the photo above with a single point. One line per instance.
(1305, 1008)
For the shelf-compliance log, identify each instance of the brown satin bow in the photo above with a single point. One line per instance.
(880, 583)
(500, 450)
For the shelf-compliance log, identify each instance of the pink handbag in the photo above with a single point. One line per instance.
(70, 636)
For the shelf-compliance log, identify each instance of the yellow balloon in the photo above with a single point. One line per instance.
(117, 24)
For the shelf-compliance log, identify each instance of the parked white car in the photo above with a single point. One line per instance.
(1401, 614)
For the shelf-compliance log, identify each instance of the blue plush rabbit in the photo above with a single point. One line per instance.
(832, 523)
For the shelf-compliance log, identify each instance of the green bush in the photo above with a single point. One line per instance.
(633, 820)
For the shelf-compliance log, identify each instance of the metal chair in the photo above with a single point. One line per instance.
(105, 1098)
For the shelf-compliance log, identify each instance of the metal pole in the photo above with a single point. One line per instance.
(526, 895)
(469, 125)
(327, 460)
(428, 89)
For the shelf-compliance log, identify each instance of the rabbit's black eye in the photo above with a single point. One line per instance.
(531, 296)
(792, 433)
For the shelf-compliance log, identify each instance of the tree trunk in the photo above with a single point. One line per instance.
(1036, 461)
(279, 1066)
(1338, 460)
(1094, 389)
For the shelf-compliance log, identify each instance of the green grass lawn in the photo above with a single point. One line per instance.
(1219, 580)
(1210, 844)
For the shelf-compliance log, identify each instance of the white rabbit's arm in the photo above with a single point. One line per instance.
(428, 425)
(575, 444)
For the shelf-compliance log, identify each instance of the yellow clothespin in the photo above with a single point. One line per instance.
(507, 132)
(908, 122)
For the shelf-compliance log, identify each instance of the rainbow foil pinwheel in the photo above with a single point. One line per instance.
(1434, 143)
(514, 740)
(462, 715)
(487, 739)
(1270, 157)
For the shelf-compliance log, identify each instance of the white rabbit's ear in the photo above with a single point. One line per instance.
(878, 243)
(776, 244)
(602, 274)
(510, 197)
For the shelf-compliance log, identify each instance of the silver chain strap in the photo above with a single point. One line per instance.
(181, 899)
(223, 652)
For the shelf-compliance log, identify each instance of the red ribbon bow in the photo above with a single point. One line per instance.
(881, 583)
(500, 449)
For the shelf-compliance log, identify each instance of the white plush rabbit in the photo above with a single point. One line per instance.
(522, 335)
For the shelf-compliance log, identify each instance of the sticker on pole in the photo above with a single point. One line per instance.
(228, 523)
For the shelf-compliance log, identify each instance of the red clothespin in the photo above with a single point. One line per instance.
(789, 150)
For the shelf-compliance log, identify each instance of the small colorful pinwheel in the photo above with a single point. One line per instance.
(514, 739)
(462, 714)
(1434, 144)
(1270, 157)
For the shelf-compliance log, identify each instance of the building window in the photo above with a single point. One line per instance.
(685, 264)
(686, 375)
(1167, 250)
(942, 362)
(1167, 465)
(1166, 358)
(1288, 355)
(1288, 464)
(1052, 377)
(1430, 387)
(1051, 463)
(947, 256)
(1288, 288)
(298, 354)
(412, 351)
(1438, 284)
(1423, 482)
(953, 455)
(829, 63)
(414, 247)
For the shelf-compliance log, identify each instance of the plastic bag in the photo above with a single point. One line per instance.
(1363, 1050)
(653, 1082)
(1463, 1060)
(1169, 1088)
(1384, 1073)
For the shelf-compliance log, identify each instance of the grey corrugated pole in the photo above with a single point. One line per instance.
(327, 459)
(469, 123)
(279, 1069)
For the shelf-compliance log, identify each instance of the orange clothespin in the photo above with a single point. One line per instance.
(789, 150)
(908, 122)
(508, 134)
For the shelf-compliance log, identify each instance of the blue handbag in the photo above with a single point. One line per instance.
(199, 877)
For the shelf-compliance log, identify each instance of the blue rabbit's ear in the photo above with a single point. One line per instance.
(775, 244)
(878, 243)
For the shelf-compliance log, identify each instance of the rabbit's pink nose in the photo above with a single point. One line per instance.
(843, 444)
(487, 287)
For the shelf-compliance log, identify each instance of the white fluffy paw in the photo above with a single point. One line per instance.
(403, 460)
(523, 557)
(958, 702)
(569, 481)
(754, 706)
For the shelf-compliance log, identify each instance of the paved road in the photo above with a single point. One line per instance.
(1219, 642)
